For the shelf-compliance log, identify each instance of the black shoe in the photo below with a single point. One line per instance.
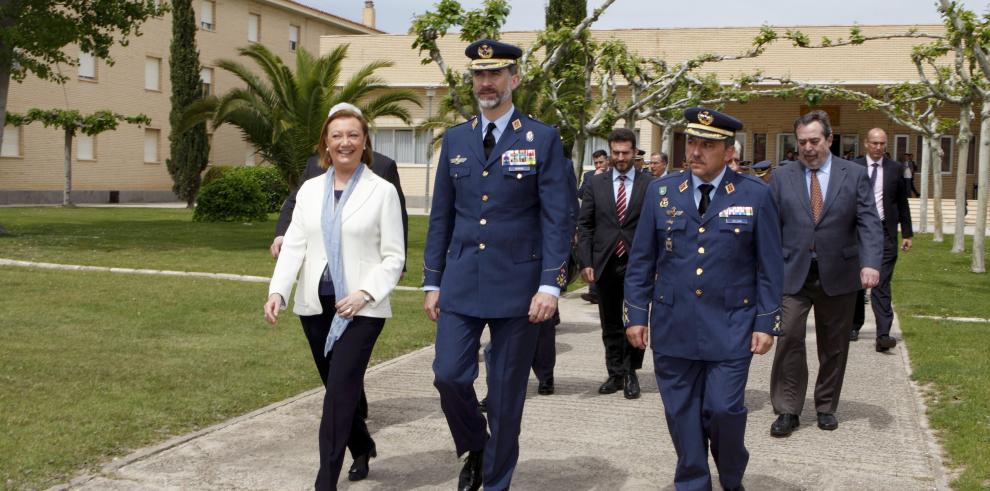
(885, 342)
(784, 426)
(470, 477)
(854, 335)
(359, 469)
(546, 387)
(737, 488)
(827, 421)
(631, 390)
(589, 297)
(611, 386)
(483, 405)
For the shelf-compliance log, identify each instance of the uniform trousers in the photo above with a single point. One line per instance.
(342, 424)
(880, 296)
(455, 368)
(621, 358)
(545, 358)
(833, 320)
(704, 403)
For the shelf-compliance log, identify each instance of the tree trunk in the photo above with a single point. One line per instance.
(667, 144)
(926, 157)
(6, 53)
(936, 166)
(983, 180)
(67, 190)
(965, 135)
(577, 153)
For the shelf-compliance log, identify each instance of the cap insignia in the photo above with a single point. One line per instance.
(706, 118)
(485, 51)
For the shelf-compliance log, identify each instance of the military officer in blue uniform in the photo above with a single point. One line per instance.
(707, 257)
(496, 254)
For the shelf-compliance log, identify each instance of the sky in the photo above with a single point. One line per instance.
(394, 16)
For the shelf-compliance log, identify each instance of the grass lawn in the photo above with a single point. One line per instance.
(949, 358)
(95, 365)
(155, 239)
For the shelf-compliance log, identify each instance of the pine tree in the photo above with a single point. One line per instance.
(188, 150)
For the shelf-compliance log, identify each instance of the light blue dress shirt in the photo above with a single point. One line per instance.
(500, 124)
(823, 174)
(630, 176)
(696, 181)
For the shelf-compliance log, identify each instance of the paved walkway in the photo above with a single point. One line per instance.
(574, 440)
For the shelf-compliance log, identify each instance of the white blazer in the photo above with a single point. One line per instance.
(371, 243)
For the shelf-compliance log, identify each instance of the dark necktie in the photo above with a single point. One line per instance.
(620, 211)
(706, 199)
(817, 203)
(873, 174)
(489, 140)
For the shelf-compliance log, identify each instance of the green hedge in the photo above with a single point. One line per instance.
(272, 184)
(232, 197)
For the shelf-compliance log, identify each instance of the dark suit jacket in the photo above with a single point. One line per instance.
(847, 238)
(585, 182)
(895, 198)
(599, 229)
(381, 165)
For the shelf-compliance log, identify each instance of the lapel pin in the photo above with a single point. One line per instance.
(683, 186)
(529, 136)
(516, 124)
(729, 188)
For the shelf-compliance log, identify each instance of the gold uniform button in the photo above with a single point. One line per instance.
(701, 230)
(484, 197)
(745, 301)
(699, 271)
(484, 221)
(736, 231)
(484, 173)
(701, 250)
(698, 292)
(519, 175)
(481, 246)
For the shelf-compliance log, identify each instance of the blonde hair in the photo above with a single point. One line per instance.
(367, 156)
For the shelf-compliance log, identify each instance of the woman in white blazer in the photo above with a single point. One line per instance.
(345, 244)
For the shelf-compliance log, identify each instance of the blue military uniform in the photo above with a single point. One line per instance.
(500, 230)
(711, 281)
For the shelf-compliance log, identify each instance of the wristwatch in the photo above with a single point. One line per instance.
(367, 297)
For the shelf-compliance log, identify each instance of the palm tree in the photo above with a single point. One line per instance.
(281, 113)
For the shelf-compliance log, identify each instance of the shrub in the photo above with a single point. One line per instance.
(214, 173)
(233, 197)
(268, 177)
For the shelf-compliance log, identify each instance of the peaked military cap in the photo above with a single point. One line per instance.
(488, 54)
(761, 168)
(710, 124)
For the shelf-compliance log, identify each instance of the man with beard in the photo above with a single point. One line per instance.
(706, 271)
(496, 254)
(606, 224)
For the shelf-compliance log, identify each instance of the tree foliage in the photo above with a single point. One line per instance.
(189, 150)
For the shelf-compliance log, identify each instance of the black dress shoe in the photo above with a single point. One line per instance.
(359, 469)
(611, 386)
(589, 297)
(885, 342)
(854, 335)
(483, 405)
(470, 477)
(631, 390)
(546, 387)
(784, 426)
(827, 421)
(737, 488)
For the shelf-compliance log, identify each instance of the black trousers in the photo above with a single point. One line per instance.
(342, 424)
(880, 295)
(620, 356)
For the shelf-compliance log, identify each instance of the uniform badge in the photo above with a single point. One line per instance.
(664, 202)
(516, 124)
(776, 323)
(485, 51)
(625, 314)
(706, 118)
(663, 190)
(561, 280)
(529, 136)
(729, 188)
(474, 123)
(458, 160)
(683, 187)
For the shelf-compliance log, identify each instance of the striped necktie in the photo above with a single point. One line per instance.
(620, 212)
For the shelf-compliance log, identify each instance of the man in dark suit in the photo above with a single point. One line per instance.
(832, 248)
(891, 194)
(381, 165)
(606, 225)
(600, 159)
(705, 273)
(496, 255)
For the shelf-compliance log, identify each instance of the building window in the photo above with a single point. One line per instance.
(11, 142)
(785, 142)
(293, 37)
(971, 158)
(206, 76)
(404, 145)
(759, 147)
(87, 66)
(254, 27)
(151, 145)
(901, 147)
(207, 19)
(948, 145)
(85, 147)
(848, 146)
(152, 73)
